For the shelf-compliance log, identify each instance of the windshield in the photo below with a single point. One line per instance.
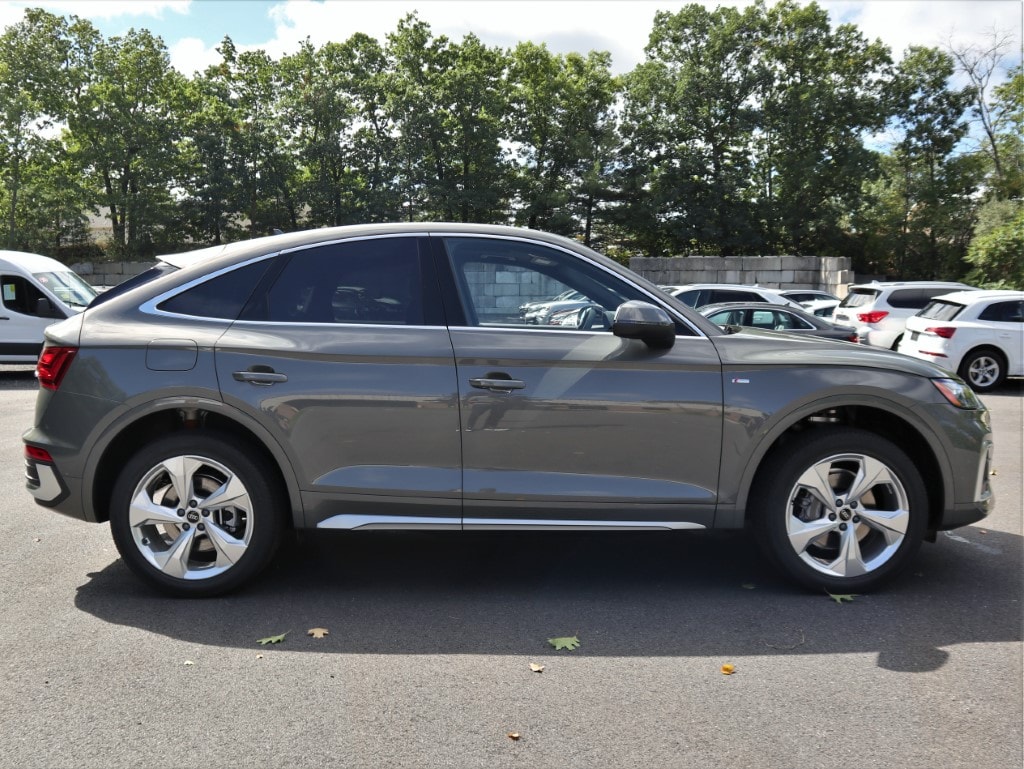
(67, 287)
(939, 310)
(859, 297)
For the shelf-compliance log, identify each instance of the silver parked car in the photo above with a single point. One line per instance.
(382, 377)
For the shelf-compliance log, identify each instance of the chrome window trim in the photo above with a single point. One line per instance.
(150, 307)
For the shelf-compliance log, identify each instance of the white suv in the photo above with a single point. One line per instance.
(879, 311)
(697, 295)
(978, 334)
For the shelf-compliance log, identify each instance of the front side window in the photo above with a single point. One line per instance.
(19, 295)
(515, 283)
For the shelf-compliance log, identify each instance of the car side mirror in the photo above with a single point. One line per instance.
(45, 309)
(643, 321)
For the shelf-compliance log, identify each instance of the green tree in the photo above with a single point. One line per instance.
(995, 250)
(921, 210)
(33, 90)
(560, 122)
(123, 131)
(689, 120)
(821, 90)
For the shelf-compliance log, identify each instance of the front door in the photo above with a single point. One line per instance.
(565, 424)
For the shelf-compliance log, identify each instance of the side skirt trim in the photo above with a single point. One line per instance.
(397, 522)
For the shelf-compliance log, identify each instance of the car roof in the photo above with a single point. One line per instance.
(980, 295)
(911, 284)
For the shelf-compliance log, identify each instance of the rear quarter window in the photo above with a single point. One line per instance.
(221, 297)
(1003, 312)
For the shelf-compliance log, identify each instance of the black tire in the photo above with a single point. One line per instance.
(861, 537)
(204, 545)
(983, 369)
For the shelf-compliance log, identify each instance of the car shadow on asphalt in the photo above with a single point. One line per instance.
(625, 594)
(18, 377)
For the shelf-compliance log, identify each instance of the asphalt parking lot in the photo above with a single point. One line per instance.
(431, 636)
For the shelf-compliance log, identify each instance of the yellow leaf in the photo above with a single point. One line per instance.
(189, 663)
(728, 669)
(513, 735)
(536, 668)
(318, 632)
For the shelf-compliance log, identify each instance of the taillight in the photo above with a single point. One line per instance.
(53, 365)
(40, 455)
(944, 331)
(853, 338)
(871, 317)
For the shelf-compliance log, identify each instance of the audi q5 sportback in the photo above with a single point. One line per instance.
(383, 377)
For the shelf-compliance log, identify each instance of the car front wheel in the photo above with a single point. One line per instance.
(845, 511)
(195, 516)
(983, 370)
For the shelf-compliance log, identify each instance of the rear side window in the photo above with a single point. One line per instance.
(720, 295)
(939, 310)
(221, 297)
(373, 281)
(1004, 312)
(910, 298)
(859, 297)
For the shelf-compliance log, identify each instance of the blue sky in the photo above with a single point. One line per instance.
(192, 29)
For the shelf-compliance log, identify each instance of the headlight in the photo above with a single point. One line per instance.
(958, 393)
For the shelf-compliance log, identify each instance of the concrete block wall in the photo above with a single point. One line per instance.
(827, 273)
(109, 273)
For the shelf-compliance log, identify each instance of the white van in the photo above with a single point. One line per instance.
(35, 291)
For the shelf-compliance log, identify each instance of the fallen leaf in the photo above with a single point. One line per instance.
(728, 669)
(536, 668)
(566, 642)
(840, 597)
(274, 639)
(37, 539)
(513, 736)
(189, 663)
(259, 656)
(318, 632)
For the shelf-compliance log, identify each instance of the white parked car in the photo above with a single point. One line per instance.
(978, 334)
(697, 295)
(805, 296)
(823, 308)
(879, 311)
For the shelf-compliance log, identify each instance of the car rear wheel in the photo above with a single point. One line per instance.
(195, 516)
(983, 370)
(845, 511)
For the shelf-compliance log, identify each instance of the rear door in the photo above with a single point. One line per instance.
(344, 357)
(572, 426)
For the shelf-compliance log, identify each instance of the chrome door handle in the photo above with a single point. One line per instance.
(262, 378)
(497, 385)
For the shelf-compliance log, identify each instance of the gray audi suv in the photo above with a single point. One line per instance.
(383, 377)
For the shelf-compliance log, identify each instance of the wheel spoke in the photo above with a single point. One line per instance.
(174, 561)
(892, 524)
(229, 549)
(144, 511)
(871, 473)
(232, 492)
(181, 470)
(802, 533)
(850, 562)
(815, 480)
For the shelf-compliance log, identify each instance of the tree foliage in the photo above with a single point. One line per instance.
(744, 131)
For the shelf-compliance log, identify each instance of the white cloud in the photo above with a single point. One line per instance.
(191, 55)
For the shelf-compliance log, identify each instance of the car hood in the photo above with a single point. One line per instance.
(755, 347)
